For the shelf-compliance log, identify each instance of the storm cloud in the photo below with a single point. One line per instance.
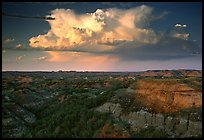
(123, 33)
(70, 30)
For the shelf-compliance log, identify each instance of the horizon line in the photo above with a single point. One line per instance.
(90, 70)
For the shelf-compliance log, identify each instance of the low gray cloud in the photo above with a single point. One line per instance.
(19, 58)
(9, 40)
(40, 58)
(165, 49)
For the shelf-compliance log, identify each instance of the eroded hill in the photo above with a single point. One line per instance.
(84, 104)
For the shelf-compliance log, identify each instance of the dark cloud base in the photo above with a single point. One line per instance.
(165, 49)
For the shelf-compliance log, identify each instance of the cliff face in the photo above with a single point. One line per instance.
(167, 104)
(172, 126)
(167, 95)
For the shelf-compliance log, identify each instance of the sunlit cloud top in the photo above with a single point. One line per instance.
(71, 30)
(120, 32)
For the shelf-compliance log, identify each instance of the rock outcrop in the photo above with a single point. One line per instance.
(172, 126)
(115, 109)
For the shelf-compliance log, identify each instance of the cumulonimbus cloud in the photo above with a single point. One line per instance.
(122, 32)
(70, 30)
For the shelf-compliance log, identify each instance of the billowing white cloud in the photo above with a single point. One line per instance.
(184, 25)
(178, 25)
(70, 30)
(181, 25)
(9, 40)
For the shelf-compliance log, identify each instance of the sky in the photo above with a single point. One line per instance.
(102, 36)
